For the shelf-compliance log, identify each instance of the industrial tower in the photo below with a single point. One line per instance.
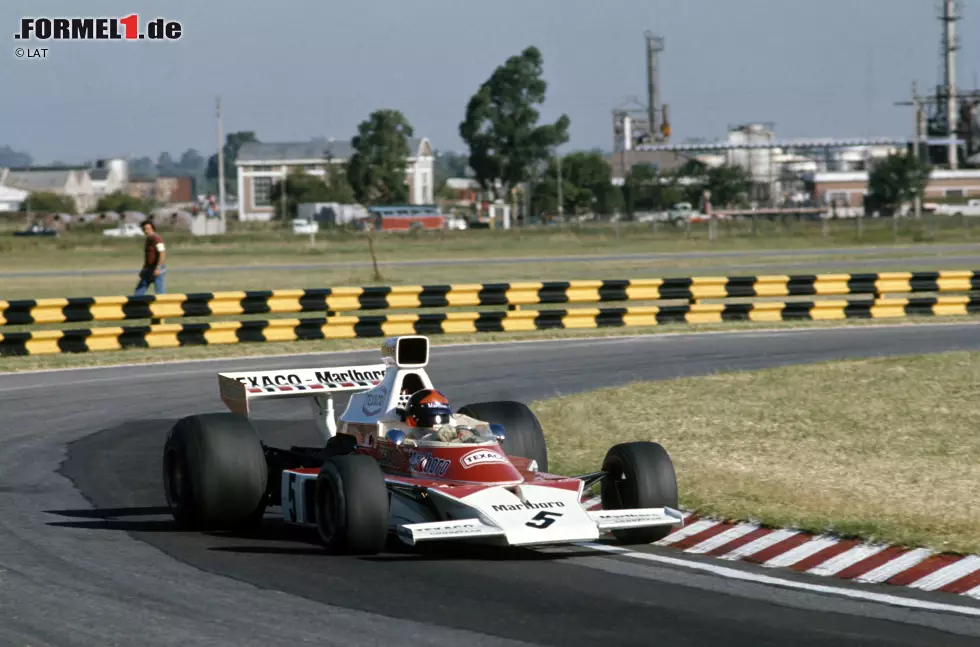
(950, 118)
(635, 122)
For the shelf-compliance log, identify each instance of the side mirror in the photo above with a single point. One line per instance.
(498, 432)
(395, 436)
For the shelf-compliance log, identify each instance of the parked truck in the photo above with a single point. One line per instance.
(678, 215)
(971, 208)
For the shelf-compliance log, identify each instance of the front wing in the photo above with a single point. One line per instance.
(528, 515)
(604, 520)
(521, 515)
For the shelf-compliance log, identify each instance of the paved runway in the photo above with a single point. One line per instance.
(88, 557)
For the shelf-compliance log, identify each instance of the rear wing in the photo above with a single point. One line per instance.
(239, 389)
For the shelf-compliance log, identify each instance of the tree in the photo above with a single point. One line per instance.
(376, 170)
(586, 187)
(47, 202)
(120, 202)
(609, 199)
(165, 164)
(501, 128)
(642, 189)
(728, 184)
(338, 187)
(445, 193)
(591, 176)
(448, 164)
(191, 162)
(302, 187)
(233, 142)
(897, 179)
(142, 167)
(9, 158)
(544, 192)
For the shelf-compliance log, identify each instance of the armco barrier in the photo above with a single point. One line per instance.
(348, 299)
(347, 327)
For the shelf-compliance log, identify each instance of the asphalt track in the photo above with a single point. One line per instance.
(968, 253)
(87, 557)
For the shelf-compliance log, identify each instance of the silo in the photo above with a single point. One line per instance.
(120, 168)
(757, 161)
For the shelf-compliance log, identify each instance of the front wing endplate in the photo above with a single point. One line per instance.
(460, 529)
(636, 518)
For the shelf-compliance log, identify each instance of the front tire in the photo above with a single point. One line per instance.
(352, 505)
(639, 475)
(524, 436)
(215, 474)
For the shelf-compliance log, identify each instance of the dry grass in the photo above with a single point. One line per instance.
(251, 245)
(886, 449)
(248, 246)
(183, 282)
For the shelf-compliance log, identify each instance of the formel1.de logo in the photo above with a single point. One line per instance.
(44, 28)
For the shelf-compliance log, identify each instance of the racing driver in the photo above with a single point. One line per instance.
(428, 411)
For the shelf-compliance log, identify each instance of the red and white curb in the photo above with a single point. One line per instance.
(823, 555)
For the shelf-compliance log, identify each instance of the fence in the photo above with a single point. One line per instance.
(738, 298)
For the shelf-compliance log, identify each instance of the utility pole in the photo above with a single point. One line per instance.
(949, 55)
(561, 202)
(282, 193)
(919, 128)
(527, 203)
(221, 169)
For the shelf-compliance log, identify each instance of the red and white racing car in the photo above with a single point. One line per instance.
(375, 476)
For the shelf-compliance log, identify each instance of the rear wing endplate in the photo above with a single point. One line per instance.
(239, 389)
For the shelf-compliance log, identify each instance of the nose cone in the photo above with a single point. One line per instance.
(486, 464)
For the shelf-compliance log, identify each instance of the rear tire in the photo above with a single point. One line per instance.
(524, 436)
(215, 474)
(352, 505)
(640, 475)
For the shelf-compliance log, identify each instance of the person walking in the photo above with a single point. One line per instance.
(154, 261)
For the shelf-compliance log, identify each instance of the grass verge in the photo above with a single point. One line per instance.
(250, 245)
(245, 278)
(258, 350)
(885, 449)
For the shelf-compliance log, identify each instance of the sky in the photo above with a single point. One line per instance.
(292, 70)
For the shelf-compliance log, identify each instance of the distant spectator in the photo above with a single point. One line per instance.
(154, 261)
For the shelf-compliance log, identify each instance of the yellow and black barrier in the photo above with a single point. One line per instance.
(346, 299)
(349, 327)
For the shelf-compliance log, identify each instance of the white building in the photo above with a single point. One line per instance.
(260, 165)
(11, 198)
(849, 188)
(109, 176)
(72, 181)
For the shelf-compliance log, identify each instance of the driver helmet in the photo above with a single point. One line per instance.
(428, 408)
